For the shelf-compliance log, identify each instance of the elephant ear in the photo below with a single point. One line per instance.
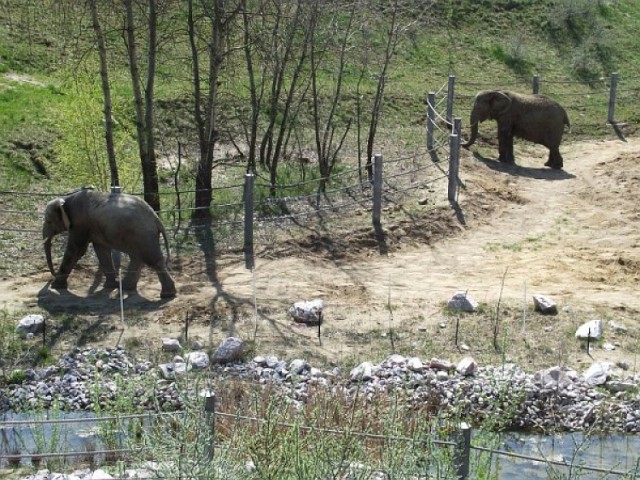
(63, 213)
(501, 103)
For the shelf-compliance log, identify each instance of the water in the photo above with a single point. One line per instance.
(606, 452)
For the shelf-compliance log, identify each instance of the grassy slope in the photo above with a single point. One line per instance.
(500, 43)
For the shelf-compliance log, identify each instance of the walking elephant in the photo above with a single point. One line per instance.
(110, 221)
(536, 118)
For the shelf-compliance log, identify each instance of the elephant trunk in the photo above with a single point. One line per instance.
(47, 252)
(474, 130)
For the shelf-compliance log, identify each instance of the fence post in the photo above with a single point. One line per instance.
(612, 98)
(450, 93)
(431, 118)
(248, 221)
(536, 84)
(463, 451)
(454, 151)
(377, 190)
(210, 414)
(457, 126)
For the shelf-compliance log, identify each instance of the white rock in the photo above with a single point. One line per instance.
(229, 350)
(544, 305)
(171, 345)
(415, 364)
(100, 475)
(462, 301)
(298, 366)
(30, 324)
(307, 311)
(597, 373)
(198, 360)
(591, 330)
(362, 372)
(467, 366)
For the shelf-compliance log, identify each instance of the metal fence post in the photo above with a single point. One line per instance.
(248, 221)
(612, 98)
(431, 118)
(463, 451)
(450, 94)
(377, 189)
(536, 84)
(210, 414)
(454, 151)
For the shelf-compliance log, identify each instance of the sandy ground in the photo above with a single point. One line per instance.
(571, 235)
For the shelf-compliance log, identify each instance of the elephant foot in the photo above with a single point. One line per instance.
(554, 165)
(168, 294)
(60, 283)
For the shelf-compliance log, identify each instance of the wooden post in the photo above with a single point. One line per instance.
(463, 451)
(450, 93)
(431, 118)
(377, 190)
(210, 414)
(454, 144)
(248, 222)
(536, 84)
(612, 98)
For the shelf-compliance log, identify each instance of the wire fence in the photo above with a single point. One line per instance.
(116, 443)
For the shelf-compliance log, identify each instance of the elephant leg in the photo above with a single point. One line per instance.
(106, 265)
(166, 281)
(505, 145)
(555, 159)
(130, 280)
(74, 251)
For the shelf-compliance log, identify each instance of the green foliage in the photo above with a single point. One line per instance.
(81, 157)
(16, 377)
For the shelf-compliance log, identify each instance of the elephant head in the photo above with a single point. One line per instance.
(56, 221)
(489, 104)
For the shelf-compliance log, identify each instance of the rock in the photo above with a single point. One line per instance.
(230, 350)
(362, 372)
(99, 475)
(591, 330)
(298, 366)
(616, 327)
(170, 371)
(597, 373)
(309, 312)
(171, 345)
(462, 301)
(467, 367)
(197, 360)
(438, 364)
(31, 324)
(544, 305)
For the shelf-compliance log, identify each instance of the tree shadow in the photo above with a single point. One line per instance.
(541, 173)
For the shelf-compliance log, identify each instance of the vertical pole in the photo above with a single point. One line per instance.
(457, 126)
(210, 413)
(536, 84)
(377, 189)
(463, 451)
(453, 167)
(450, 93)
(431, 118)
(248, 221)
(612, 98)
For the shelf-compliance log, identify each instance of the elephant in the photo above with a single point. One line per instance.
(536, 118)
(111, 222)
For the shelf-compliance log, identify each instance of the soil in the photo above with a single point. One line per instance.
(519, 230)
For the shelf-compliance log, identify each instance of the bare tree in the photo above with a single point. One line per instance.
(106, 91)
(144, 107)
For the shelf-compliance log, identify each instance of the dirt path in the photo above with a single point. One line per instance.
(572, 235)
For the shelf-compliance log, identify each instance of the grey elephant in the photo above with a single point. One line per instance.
(110, 221)
(536, 118)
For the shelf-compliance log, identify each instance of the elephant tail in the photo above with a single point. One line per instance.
(566, 120)
(166, 244)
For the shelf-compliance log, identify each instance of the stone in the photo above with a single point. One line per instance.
(309, 312)
(99, 475)
(31, 324)
(444, 365)
(544, 305)
(198, 360)
(591, 330)
(597, 373)
(171, 345)
(230, 350)
(362, 372)
(462, 301)
(298, 366)
(467, 367)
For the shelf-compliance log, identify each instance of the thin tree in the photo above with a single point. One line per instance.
(144, 107)
(106, 92)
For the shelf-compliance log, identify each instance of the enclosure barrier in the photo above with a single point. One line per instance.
(461, 439)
